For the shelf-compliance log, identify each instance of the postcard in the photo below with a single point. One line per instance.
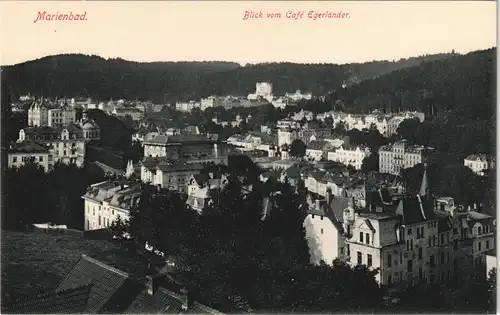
(229, 157)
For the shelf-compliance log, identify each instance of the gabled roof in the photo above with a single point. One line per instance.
(151, 162)
(415, 210)
(73, 300)
(28, 147)
(114, 291)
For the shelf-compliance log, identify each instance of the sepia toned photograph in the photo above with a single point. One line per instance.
(258, 157)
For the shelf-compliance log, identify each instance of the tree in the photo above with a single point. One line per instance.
(370, 163)
(492, 290)
(297, 148)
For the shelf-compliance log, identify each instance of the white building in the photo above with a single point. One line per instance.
(324, 230)
(297, 96)
(350, 155)
(106, 201)
(38, 114)
(62, 116)
(491, 261)
(67, 144)
(30, 152)
(264, 89)
(399, 155)
(479, 163)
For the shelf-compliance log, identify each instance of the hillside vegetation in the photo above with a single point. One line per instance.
(81, 75)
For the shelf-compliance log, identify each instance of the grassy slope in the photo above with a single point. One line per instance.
(37, 262)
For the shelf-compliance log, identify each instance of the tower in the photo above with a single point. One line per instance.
(130, 169)
(424, 186)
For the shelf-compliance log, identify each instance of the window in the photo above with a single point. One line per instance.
(420, 253)
(479, 246)
(389, 280)
(442, 257)
(410, 266)
(40, 158)
(367, 238)
(361, 237)
(369, 260)
(389, 260)
(442, 239)
(360, 258)
(434, 240)
(478, 230)
(411, 244)
(454, 231)
(420, 273)
(313, 216)
(64, 152)
(400, 257)
(342, 251)
(14, 159)
(93, 210)
(430, 241)
(321, 231)
(448, 236)
(99, 220)
(409, 231)
(431, 261)
(321, 218)
(487, 244)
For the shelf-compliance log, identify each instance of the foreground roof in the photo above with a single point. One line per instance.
(114, 291)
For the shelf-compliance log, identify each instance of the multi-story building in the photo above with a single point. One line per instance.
(350, 155)
(62, 116)
(175, 175)
(416, 243)
(38, 114)
(297, 96)
(186, 148)
(67, 143)
(479, 163)
(90, 129)
(106, 201)
(400, 155)
(317, 150)
(26, 152)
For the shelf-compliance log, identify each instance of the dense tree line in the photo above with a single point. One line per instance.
(240, 263)
(80, 75)
(29, 195)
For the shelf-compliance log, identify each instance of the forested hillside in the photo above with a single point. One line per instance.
(81, 75)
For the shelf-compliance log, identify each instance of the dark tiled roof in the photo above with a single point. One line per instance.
(185, 138)
(151, 162)
(415, 210)
(105, 281)
(40, 130)
(28, 147)
(167, 167)
(69, 301)
(114, 291)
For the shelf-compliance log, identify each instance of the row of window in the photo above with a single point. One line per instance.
(26, 159)
(369, 259)
(366, 239)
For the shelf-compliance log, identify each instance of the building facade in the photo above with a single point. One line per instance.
(38, 114)
(26, 152)
(62, 116)
(350, 155)
(479, 163)
(67, 144)
(106, 201)
(400, 155)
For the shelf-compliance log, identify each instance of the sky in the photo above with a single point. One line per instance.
(213, 30)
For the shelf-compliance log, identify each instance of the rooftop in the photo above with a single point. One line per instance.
(27, 147)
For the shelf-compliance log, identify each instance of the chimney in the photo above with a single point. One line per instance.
(318, 204)
(328, 196)
(184, 298)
